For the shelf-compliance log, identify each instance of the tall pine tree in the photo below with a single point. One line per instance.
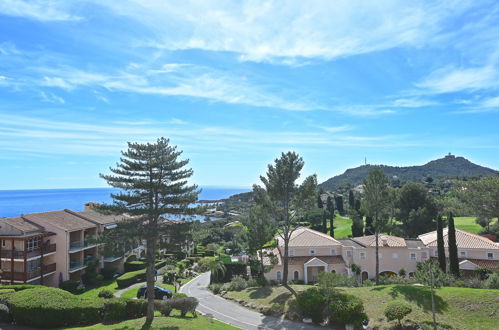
(440, 245)
(152, 182)
(451, 239)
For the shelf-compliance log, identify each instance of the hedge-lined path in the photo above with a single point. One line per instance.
(120, 292)
(232, 313)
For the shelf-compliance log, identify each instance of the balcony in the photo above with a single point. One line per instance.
(29, 275)
(76, 265)
(19, 254)
(88, 243)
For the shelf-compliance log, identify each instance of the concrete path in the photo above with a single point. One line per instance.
(232, 313)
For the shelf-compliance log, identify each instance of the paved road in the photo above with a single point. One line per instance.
(234, 314)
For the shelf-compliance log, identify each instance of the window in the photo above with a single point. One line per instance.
(296, 275)
(362, 255)
(312, 252)
(395, 255)
(435, 253)
(333, 252)
(291, 252)
(33, 243)
(349, 253)
(279, 276)
(413, 256)
(490, 255)
(4, 243)
(33, 265)
(424, 255)
(462, 253)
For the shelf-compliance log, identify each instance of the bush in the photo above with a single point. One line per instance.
(5, 314)
(179, 295)
(136, 308)
(130, 278)
(368, 283)
(397, 310)
(216, 288)
(347, 309)
(52, 308)
(492, 282)
(474, 282)
(107, 294)
(132, 266)
(70, 286)
(402, 272)
(169, 278)
(238, 283)
(483, 273)
(19, 287)
(114, 310)
(310, 303)
(184, 305)
(108, 273)
(7, 291)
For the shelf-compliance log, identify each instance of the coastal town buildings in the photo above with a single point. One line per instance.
(312, 252)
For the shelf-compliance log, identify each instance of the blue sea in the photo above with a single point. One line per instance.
(17, 202)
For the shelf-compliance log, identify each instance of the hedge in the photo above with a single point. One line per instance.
(50, 308)
(132, 266)
(19, 287)
(130, 278)
(231, 269)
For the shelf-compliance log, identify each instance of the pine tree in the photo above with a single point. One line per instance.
(451, 239)
(440, 244)
(351, 200)
(152, 182)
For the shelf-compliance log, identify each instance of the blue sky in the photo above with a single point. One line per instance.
(234, 83)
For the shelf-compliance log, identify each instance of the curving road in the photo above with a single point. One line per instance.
(232, 313)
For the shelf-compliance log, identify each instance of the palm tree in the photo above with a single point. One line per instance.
(356, 269)
(217, 268)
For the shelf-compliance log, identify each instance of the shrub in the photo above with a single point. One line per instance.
(108, 273)
(19, 287)
(483, 273)
(402, 272)
(51, 308)
(368, 283)
(5, 314)
(397, 310)
(216, 288)
(474, 282)
(132, 266)
(70, 286)
(169, 277)
(107, 294)
(238, 283)
(7, 291)
(160, 264)
(130, 278)
(310, 303)
(347, 309)
(136, 308)
(185, 305)
(165, 307)
(492, 282)
(114, 310)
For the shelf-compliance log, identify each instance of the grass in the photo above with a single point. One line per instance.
(132, 293)
(174, 322)
(462, 308)
(343, 226)
(93, 292)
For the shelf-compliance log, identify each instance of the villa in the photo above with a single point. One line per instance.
(312, 252)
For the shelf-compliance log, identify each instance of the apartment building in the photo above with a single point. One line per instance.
(312, 252)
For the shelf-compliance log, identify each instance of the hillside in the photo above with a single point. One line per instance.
(449, 166)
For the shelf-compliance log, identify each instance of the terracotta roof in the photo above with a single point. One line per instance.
(490, 264)
(414, 243)
(304, 237)
(384, 240)
(100, 218)
(61, 219)
(464, 240)
(349, 242)
(22, 224)
(327, 259)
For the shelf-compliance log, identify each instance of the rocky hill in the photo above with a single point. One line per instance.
(448, 167)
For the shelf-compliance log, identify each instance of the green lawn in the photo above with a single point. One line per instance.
(343, 225)
(106, 285)
(174, 322)
(132, 293)
(461, 308)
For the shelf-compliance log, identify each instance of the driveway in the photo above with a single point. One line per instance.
(232, 313)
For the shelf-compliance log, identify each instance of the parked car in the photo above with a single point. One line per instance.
(159, 293)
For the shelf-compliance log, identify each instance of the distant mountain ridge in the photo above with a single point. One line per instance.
(449, 166)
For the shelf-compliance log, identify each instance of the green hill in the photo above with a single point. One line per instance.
(448, 167)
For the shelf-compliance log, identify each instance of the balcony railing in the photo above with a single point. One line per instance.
(21, 276)
(19, 254)
(83, 244)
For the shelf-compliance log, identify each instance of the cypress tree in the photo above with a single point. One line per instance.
(152, 182)
(440, 244)
(357, 205)
(351, 200)
(320, 204)
(339, 204)
(331, 224)
(368, 229)
(451, 238)
(324, 222)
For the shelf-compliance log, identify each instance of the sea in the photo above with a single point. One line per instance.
(17, 202)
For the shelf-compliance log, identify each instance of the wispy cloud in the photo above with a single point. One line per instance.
(52, 98)
(39, 10)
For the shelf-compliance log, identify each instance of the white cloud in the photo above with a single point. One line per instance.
(52, 98)
(283, 31)
(39, 10)
(450, 80)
